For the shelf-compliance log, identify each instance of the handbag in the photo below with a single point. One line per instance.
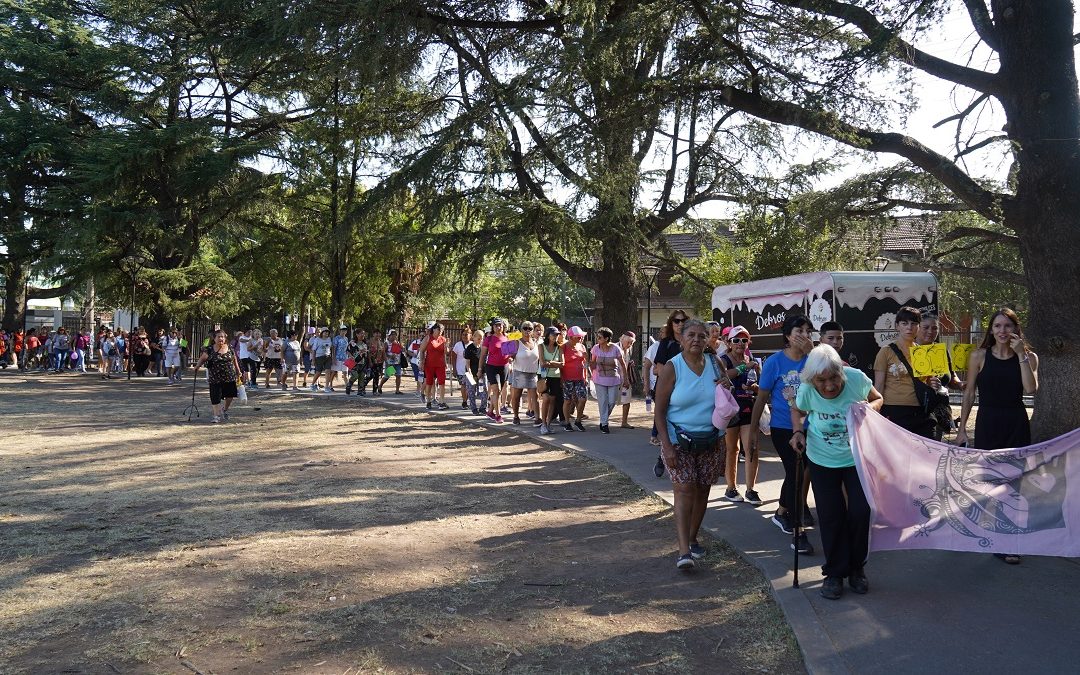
(933, 403)
(724, 404)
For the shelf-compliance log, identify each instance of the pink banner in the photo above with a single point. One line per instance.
(926, 494)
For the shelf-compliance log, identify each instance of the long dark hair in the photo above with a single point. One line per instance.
(671, 326)
(988, 339)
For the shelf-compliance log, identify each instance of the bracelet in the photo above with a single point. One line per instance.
(798, 431)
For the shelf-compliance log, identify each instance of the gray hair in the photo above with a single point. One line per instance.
(695, 322)
(823, 360)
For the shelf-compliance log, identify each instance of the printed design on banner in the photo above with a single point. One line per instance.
(995, 493)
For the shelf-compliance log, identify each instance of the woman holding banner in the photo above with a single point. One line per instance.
(828, 390)
(1001, 370)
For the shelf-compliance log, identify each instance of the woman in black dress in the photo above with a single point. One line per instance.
(1002, 370)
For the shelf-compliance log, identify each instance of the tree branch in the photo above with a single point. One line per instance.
(981, 200)
(979, 233)
(984, 25)
(899, 48)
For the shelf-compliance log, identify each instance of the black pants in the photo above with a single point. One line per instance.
(844, 523)
(252, 366)
(781, 439)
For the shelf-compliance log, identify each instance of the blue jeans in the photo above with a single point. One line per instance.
(60, 358)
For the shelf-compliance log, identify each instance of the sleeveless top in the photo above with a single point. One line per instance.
(545, 355)
(692, 399)
(527, 359)
(999, 382)
(221, 367)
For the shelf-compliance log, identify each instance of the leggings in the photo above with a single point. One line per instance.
(781, 439)
(606, 398)
(252, 366)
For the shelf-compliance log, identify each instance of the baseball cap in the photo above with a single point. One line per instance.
(736, 330)
(575, 331)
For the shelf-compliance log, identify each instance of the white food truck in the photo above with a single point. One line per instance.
(864, 303)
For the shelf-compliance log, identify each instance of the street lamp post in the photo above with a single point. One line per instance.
(650, 273)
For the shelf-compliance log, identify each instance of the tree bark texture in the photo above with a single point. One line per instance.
(1042, 104)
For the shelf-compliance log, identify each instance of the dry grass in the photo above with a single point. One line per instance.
(324, 536)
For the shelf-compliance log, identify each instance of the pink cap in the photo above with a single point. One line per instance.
(575, 331)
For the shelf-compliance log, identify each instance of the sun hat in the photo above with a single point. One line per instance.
(575, 331)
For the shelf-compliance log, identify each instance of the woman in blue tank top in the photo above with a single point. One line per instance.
(689, 443)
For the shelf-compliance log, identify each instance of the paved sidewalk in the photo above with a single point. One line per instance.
(931, 611)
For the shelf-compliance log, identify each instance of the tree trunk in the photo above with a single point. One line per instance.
(616, 289)
(1043, 108)
(15, 276)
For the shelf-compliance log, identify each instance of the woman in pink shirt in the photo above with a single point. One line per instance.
(491, 355)
(609, 374)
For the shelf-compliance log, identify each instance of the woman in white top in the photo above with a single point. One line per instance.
(525, 370)
(274, 350)
(461, 364)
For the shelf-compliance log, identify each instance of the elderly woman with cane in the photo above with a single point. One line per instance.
(690, 446)
(828, 390)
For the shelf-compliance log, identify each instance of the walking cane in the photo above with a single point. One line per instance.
(192, 408)
(796, 526)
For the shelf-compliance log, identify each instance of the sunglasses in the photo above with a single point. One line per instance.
(678, 320)
(740, 341)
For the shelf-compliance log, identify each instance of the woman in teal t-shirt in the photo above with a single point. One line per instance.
(844, 523)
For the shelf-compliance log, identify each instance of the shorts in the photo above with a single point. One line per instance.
(520, 380)
(292, 367)
(172, 361)
(434, 373)
(575, 389)
(273, 364)
(494, 374)
(322, 363)
(415, 370)
(746, 408)
(701, 468)
(339, 367)
(221, 390)
(553, 387)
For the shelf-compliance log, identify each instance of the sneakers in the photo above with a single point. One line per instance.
(832, 588)
(858, 583)
(604, 429)
(697, 551)
(505, 410)
(544, 429)
(314, 387)
(441, 406)
(529, 413)
(579, 426)
(752, 497)
(802, 545)
(685, 562)
(348, 391)
(225, 416)
(659, 468)
(517, 420)
(498, 418)
(782, 521)
(215, 419)
(476, 412)
(428, 405)
(490, 415)
(567, 427)
(732, 495)
(464, 404)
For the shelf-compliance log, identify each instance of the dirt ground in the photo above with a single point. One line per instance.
(315, 535)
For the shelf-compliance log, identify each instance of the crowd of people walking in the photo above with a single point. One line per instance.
(714, 400)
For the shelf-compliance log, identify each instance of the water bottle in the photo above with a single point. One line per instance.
(648, 403)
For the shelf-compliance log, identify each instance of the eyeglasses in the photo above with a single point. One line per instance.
(740, 341)
(678, 320)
